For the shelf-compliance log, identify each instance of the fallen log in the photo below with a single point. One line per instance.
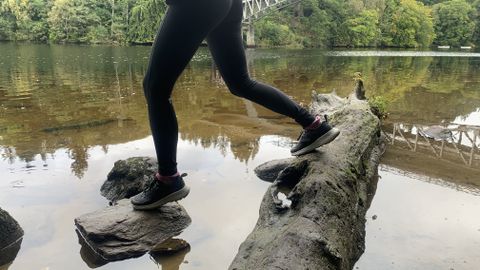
(330, 190)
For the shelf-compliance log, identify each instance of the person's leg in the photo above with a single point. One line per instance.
(185, 25)
(226, 46)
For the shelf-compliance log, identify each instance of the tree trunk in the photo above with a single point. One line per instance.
(330, 191)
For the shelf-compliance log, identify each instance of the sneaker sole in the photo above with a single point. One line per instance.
(325, 139)
(175, 196)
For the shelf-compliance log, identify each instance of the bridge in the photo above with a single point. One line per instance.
(255, 9)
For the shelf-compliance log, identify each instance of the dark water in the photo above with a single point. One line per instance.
(68, 112)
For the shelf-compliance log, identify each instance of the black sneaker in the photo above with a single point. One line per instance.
(158, 193)
(309, 140)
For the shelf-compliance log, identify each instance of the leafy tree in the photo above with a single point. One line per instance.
(72, 21)
(406, 23)
(16, 19)
(271, 33)
(454, 23)
(38, 15)
(145, 20)
(309, 23)
(476, 33)
(7, 22)
(364, 30)
(315, 25)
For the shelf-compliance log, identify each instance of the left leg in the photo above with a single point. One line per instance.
(226, 46)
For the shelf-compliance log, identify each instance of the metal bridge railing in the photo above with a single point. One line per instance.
(254, 9)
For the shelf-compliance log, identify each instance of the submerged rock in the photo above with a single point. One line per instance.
(128, 178)
(118, 232)
(11, 235)
(330, 191)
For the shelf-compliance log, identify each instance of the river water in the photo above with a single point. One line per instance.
(67, 113)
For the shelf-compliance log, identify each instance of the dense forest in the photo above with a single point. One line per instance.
(309, 23)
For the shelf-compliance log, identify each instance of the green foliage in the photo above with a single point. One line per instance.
(272, 31)
(364, 29)
(308, 23)
(406, 23)
(145, 19)
(454, 23)
(379, 106)
(70, 21)
(476, 33)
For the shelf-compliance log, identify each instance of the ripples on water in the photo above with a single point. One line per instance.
(68, 112)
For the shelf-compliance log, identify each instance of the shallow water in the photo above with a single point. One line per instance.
(67, 113)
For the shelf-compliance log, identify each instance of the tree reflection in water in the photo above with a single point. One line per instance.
(42, 91)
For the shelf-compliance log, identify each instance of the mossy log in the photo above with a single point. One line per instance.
(330, 191)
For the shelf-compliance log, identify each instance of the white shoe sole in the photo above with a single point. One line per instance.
(325, 139)
(175, 196)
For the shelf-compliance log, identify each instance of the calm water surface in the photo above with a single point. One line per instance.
(67, 113)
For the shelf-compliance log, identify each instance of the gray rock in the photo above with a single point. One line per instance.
(11, 235)
(270, 170)
(330, 191)
(118, 232)
(128, 178)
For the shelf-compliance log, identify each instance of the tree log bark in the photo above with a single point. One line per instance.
(330, 191)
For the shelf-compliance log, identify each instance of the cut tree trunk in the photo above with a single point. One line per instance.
(329, 190)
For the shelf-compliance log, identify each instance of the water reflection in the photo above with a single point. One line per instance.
(52, 99)
(45, 88)
(169, 256)
(424, 225)
(457, 143)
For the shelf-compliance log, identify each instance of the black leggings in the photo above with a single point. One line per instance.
(186, 24)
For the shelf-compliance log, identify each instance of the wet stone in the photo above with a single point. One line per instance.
(11, 235)
(128, 178)
(270, 170)
(118, 232)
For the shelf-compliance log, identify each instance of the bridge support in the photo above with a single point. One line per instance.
(250, 35)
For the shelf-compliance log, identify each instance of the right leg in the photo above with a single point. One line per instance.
(226, 46)
(185, 25)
